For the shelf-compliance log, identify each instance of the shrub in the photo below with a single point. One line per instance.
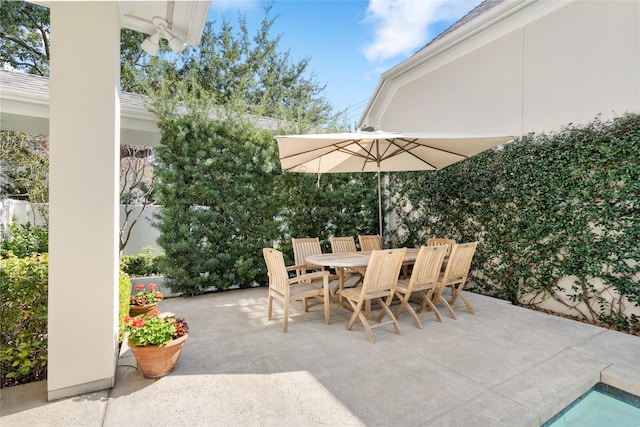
(23, 319)
(143, 264)
(23, 240)
(124, 292)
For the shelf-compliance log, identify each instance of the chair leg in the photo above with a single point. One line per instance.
(356, 309)
(269, 306)
(286, 316)
(438, 298)
(385, 307)
(367, 328)
(327, 304)
(458, 293)
(433, 307)
(404, 304)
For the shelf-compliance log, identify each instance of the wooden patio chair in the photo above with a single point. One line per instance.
(370, 243)
(379, 284)
(437, 241)
(302, 248)
(298, 288)
(455, 276)
(340, 245)
(423, 281)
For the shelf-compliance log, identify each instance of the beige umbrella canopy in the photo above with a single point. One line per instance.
(379, 151)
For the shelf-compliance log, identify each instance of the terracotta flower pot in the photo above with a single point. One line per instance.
(155, 361)
(136, 310)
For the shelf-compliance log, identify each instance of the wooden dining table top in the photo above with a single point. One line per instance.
(352, 259)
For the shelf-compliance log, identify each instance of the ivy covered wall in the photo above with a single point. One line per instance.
(557, 217)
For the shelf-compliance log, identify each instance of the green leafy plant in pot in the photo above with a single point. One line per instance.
(156, 340)
(144, 300)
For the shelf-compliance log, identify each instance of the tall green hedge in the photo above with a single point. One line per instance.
(215, 183)
(543, 208)
(225, 198)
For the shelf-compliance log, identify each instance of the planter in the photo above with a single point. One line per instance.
(136, 310)
(155, 361)
(158, 280)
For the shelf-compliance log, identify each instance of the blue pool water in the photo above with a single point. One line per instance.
(599, 409)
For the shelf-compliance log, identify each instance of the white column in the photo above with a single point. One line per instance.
(83, 224)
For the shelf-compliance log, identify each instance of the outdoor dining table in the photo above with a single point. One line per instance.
(352, 260)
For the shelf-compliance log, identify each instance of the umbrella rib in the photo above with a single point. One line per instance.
(338, 146)
(367, 153)
(403, 148)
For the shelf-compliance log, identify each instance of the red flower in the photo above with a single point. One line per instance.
(127, 319)
(138, 323)
(139, 287)
(153, 312)
(153, 286)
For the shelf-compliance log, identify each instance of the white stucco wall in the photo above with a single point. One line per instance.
(539, 69)
(143, 236)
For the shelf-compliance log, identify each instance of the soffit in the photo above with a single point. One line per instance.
(186, 19)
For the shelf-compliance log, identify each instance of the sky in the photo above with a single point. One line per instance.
(350, 42)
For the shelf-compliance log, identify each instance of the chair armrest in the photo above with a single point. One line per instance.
(311, 276)
(297, 267)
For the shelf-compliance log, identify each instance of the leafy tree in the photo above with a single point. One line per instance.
(232, 68)
(24, 37)
(24, 160)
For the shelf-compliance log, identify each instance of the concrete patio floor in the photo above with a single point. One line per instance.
(505, 366)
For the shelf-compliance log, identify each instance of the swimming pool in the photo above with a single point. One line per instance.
(603, 405)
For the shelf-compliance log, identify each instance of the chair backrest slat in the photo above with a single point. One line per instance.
(370, 243)
(341, 245)
(276, 269)
(459, 263)
(383, 270)
(304, 247)
(428, 265)
(437, 241)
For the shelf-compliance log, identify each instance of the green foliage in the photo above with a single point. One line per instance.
(144, 296)
(124, 292)
(233, 66)
(142, 264)
(24, 37)
(152, 329)
(337, 205)
(24, 161)
(23, 319)
(215, 183)
(543, 207)
(23, 240)
(250, 74)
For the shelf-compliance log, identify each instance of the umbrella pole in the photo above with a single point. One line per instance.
(379, 204)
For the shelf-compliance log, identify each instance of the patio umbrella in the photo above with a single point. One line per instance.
(379, 151)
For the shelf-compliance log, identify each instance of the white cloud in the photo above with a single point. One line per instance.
(402, 26)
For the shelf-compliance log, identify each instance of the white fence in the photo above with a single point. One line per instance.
(143, 237)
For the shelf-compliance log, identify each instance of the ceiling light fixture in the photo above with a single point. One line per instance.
(151, 43)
